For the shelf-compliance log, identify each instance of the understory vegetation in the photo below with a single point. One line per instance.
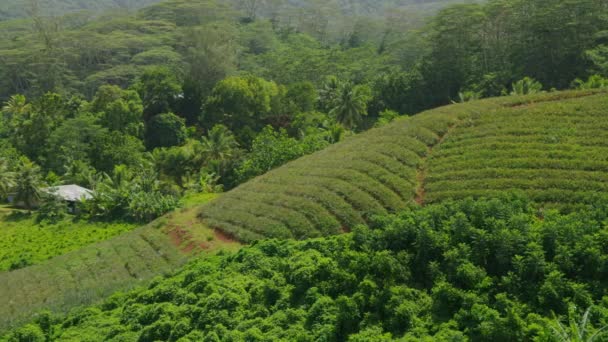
(485, 270)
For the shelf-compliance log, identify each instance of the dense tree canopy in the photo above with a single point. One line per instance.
(487, 270)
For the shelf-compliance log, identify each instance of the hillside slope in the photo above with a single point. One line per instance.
(92, 273)
(553, 146)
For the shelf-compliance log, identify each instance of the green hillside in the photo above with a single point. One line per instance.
(551, 146)
(96, 271)
(487, 270)
(548, 145)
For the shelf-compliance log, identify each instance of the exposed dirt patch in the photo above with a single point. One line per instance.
(189, 248)
(420, 191)
(181, 239)
(223, 237)
(422, 170)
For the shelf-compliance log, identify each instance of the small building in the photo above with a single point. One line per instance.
(71, 194)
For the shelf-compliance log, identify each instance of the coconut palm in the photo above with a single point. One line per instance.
(329, 92)
(350, 104)
(16, 106)
(7, 179)
(578, 331)
(27, 185)
(219, 146)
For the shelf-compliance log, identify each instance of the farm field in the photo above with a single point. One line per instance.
(88, 274)
(413, 161)
(24, 242)
(553, 147)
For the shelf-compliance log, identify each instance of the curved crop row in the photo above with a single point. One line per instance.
(335, 189)
(556, 152)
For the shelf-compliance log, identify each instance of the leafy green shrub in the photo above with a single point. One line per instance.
(526, 86)
(593, 82)
(145, 207)
(52, 209)
(29, 333)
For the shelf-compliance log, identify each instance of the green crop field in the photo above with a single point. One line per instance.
(25, 242)
(552, 146)
(88, 274)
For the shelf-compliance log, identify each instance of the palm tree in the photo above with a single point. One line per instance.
(350, 104)
(526, 86)
(219, 146)
(7, 179)
(28, 184)
(577, 331)
(329, 92)
(16, 106)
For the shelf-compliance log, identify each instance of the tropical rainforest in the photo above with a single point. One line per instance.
(401, 169)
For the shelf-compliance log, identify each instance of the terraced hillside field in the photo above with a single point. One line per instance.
(553, 146)
(86, 275)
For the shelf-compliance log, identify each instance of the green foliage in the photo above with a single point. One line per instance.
(129, 195)
(466, 270)
(386, 117)
(578, 331)
(468, 95)
(144, 206)
(52, 209)
(29, 333)
(158, 89)
(274, 148)
(599, 57)
(594, 82)
(26, 242)
(165, 130)
(7, 178)
(526, 86)
(535, 149)
(28, 183)
(349, 104)
(120, 110)
(242, 104)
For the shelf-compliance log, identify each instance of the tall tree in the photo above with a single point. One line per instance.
(218, 147)
(119, 110)
(28, 183)
(7, 179)
(159, 90)
(350, 105)
(165, 130)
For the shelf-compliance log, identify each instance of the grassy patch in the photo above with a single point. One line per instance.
(24, 241)
(196, 199)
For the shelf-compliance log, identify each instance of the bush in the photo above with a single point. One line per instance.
(52, 210)
(526, 86)
(29, 333)
(145, 207)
